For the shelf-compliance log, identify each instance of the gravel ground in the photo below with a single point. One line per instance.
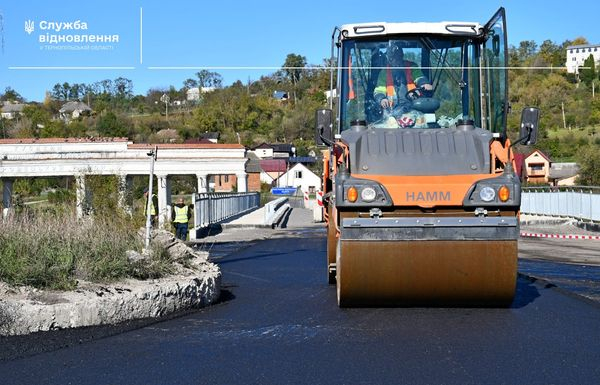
(563, 229)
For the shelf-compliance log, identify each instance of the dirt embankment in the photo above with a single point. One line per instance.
(195, 283)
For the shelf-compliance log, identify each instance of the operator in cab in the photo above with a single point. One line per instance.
(399, 78)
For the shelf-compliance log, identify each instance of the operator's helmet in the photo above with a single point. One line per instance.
(394, 50)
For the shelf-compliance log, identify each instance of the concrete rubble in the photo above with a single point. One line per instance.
(195, 284)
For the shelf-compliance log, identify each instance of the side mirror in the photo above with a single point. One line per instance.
(530, 118)
(324, 127)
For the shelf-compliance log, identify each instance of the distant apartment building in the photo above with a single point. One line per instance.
(577, 54)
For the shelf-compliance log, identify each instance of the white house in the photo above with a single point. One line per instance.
(73, 110)
(576, 55)
(300, 176)
(272, 169)
(263, 151)
(193, 94)
(12, 110)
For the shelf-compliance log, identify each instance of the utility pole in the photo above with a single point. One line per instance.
(563, 115)
(165, 99)
(151, 154)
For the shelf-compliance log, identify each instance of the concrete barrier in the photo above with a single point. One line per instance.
(275, 210)
(28, 310)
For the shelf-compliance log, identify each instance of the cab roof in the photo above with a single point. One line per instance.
(461, 28)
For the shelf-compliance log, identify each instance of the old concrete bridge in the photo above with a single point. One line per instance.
(28, 158)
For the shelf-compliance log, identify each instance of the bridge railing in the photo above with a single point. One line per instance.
(211, 208)
(577, 202)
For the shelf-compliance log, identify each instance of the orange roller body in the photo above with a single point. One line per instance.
(422, 190)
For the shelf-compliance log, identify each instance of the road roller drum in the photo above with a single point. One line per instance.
(439, 273)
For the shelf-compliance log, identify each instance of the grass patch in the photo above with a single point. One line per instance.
(577, 133)
(158, 265)
(54, 251)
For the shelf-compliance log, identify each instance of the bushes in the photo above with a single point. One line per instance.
(53, 252)
(588, 158)
(61, 196)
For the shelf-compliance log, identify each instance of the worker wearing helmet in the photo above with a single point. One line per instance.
(399, 77)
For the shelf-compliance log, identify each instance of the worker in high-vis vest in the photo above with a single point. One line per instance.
(180, 215)
(399, 77)
(153, 207)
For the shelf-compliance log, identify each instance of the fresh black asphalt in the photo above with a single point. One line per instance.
(279, 323)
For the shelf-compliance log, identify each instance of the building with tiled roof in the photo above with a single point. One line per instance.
(537, 167)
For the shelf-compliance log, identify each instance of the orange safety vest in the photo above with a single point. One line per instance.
(389, 81)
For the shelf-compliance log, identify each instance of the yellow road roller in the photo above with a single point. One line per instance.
(421, 196)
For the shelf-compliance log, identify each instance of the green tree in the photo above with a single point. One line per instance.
(209, 79)
(595, 111)
(54, 129)
(293, 68)
(123, 88)
(38, 118)
(588, 159)
(112, 126)
(76, 91)
(588, 74)
(190, 83)
(527, 48)
(11, 95)
(552, 54)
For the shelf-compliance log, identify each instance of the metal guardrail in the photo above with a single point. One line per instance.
(274, 210)
(578, 202)
(211, 208)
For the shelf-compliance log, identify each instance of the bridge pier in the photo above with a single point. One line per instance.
(164, 200)
(125, 197)
(82, 195)
(242, 182)
(7, 189)
(202, 183)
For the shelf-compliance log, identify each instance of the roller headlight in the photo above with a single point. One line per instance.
(487, 194)
(368, 194)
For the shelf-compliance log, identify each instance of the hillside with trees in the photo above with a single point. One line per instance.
(249, 113)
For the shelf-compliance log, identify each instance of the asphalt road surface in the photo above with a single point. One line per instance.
(279, 323)
(572, 264)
